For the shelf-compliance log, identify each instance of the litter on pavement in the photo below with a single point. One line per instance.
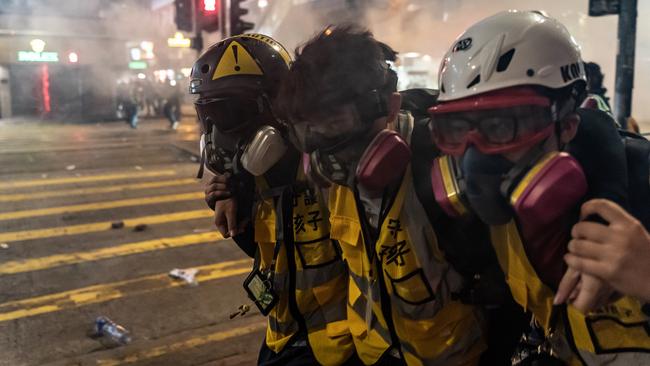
(187, 275)
(109, 333)
(117, 224)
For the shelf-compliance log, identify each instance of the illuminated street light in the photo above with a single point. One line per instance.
(142, 76)
(136, 54)
(73, 57)
(147, 47)
(262, 3)
(38, 45)
(209, 5)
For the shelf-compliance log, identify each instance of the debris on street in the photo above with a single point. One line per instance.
(140, 227)
(117, 224)
(110, 333)
(241, 310)
(187, 275)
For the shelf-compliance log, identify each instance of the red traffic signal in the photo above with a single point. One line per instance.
(208, 15)
(210, 6)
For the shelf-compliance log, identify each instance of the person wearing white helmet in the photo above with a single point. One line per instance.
(523, 156)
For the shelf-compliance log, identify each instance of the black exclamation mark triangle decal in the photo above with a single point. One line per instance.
(234, 51)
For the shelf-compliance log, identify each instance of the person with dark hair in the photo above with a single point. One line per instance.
(596, 98)
(528, 156)
(342, 108)
(595, 78)
(262, 199)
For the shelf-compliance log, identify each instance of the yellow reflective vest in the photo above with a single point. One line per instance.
(618, 334)
(399, 288)
(309, 275)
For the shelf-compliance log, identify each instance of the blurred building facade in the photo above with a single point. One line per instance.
(69, 60)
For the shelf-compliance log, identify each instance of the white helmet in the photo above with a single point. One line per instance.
(508, 49)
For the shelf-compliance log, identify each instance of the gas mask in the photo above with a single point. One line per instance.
(265, 149)
(218, 152)
(373, 162)
(381, 163)
(537, 189)
(223, 153)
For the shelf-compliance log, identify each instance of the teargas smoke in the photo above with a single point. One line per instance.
(422, 30)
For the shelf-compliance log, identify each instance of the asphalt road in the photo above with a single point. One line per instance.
(62, 186)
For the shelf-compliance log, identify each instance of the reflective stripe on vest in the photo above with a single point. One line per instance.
(320, 282)
(618, 334)
(432, 329)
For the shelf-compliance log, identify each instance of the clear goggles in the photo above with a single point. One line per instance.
(492, 131)
(495, 122)
(326, 131)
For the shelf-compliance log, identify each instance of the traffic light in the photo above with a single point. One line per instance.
(184, 16)
(237, 25)
(208, 15)
(197, 42)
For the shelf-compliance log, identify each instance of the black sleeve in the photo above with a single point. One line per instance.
(246, 241)
(601, 153)
(244, 192)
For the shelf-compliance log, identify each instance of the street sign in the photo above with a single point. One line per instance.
(31, 56)
(137, 65)
(604, 7)
(179, 41)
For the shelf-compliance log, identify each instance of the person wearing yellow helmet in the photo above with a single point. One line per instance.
(298, 276)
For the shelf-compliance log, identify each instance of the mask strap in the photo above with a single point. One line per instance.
(199, 175)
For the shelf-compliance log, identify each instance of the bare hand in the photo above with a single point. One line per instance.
(217, 189)
(619, 253)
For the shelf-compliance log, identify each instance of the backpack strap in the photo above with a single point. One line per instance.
(637, 151)
(423, 153)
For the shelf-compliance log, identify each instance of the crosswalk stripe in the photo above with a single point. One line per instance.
(105, 292)
(85, 179)
(102, 226)
(94, 190)
(57, 260)
(183, 345)
(101, 205)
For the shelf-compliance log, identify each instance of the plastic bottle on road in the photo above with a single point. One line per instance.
(109, 330)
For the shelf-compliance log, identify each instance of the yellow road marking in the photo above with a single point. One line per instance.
(102, 226)
(57, 260)
(101, 205)
(184, 345)
(94, 190)
(84, 179)
(111, 291)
